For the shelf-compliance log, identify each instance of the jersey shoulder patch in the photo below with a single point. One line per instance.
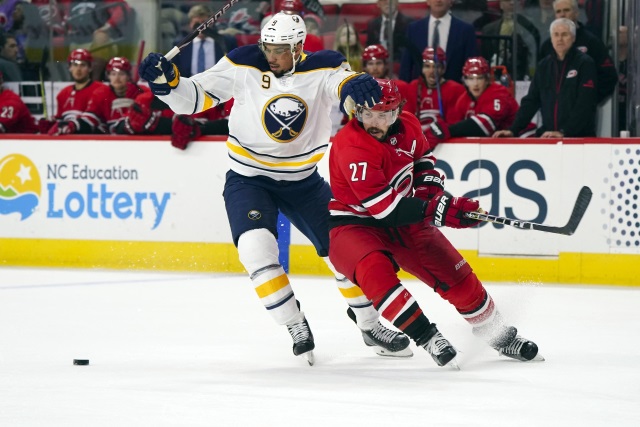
(249, 56)
(320, 59)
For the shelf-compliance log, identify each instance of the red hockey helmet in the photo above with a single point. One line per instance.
(429, 54)
(391, 97)
(118, 63)
(475, 67)
(80, 55)
(375, 51)
(291, 6)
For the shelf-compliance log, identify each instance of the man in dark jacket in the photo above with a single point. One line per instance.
(439, 29)
(588, 43)
(563, 89)
(378, 28)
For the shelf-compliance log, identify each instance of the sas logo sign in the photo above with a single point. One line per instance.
(19, 186)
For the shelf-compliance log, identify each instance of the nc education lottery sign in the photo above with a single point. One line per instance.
(106, 190)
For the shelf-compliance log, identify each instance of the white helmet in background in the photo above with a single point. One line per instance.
(283, 28)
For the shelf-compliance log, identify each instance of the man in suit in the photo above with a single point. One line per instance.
(444, 30)
(206, 49)
(390, 18)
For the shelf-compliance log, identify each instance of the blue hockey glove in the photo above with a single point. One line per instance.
(360, 90)
(161, 74)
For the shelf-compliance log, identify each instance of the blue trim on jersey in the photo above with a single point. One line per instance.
(279, 303)
(250, 56)
(321, 59)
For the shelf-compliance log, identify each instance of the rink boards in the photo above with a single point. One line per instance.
(93, 201)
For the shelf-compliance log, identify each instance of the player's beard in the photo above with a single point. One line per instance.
(378, 134)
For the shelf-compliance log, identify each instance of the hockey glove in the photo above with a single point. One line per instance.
(44, 125)
(183, 130)
(141, 120)
(428, 185)
(63, 128)
(161, 74)
(436, 133)
(359, 90)
(444, 209)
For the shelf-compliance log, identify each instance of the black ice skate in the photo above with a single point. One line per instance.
(302, 339)
(508, 343)
(385, 341)
(437, 346)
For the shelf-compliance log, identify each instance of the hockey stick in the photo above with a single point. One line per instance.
(582, 202)
(199, 29)
(195, 33)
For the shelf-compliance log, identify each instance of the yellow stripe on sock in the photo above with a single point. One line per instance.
(352, 292)
(272, 286)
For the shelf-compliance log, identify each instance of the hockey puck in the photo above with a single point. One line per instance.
(80, 361)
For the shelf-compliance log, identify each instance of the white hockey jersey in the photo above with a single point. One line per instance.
(278, 127)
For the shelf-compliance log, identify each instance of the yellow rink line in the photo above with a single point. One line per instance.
(578, 268)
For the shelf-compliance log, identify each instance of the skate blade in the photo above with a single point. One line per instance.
(380, 351)
(309, 357)
(453, 364)
(538, 358)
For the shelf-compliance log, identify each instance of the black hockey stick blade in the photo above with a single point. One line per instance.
(582, 202)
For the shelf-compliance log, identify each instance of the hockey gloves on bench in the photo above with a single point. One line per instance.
(444, 209)
(141, 120)
(154, 66)
(359, 90)
(184, 130)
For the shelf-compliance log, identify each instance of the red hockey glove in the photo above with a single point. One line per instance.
(428, 184)
(141, 119)
(63, 128)
(183, 130)
(444, 209)
(44, 125)
(436, 133)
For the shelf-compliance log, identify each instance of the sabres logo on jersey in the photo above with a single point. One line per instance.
(284, 117)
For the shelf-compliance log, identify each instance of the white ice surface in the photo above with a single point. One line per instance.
(199, 350)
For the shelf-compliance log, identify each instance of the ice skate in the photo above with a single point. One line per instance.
(385, 341)
(303, 344)
(508, 343)
(438, 347)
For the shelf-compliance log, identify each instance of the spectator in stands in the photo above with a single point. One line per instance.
(32, 38)
(589, 44)
(485, 107)
(8, 56)
(541, 14)
(499, 51)
(390, 19)
(239, 22)
(563, 89)
(15, 117)
(73, 100)
(206, 49)
(432, 97)
(439, 29)
(104, 28)
(109, 105)
(348, 43)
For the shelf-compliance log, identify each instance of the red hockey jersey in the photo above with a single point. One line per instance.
(72, 103)
(423, 101)
(369, 178)
(494, 110)
(15, 117)
(106, 109)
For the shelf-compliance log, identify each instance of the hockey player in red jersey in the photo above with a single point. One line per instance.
(431, 97)
(375, 62)
(73, 99)
(486, 107)
(109, 105)
(388, 202)
(15, 117)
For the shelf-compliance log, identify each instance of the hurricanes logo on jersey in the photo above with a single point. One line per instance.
(284, 117)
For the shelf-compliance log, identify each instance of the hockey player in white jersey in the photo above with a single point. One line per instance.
(279, 128)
